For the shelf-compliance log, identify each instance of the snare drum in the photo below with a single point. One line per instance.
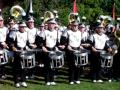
(81, 58)
(57, 59)
(3, 57)
(106, 60)
(27, 59)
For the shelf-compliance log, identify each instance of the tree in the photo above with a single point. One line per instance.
(89, 8)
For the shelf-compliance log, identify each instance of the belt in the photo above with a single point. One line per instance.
(75, 48)
(50, 49)
(19, 48)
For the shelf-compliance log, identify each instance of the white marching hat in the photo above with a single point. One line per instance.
(22, 24)
(30, 19)
(51, 21)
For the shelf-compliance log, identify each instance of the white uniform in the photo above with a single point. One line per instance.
(31, 35)
(21, 39)
(74, 38)
(3, 34)
(84, 35)
(99, 40)
(50, 37)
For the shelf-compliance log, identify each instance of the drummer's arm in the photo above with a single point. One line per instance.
(12, 45)
(63, 42)
(91, 43)
(39, 41)
(31, 45)
(107, 47)
(69, 48)
(44, 49)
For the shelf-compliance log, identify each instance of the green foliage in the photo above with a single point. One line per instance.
(89, 8)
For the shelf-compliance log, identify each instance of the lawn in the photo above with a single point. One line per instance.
(62, 84)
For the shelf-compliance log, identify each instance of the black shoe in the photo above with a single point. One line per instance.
(31, 77)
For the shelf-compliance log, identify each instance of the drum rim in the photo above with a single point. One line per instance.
(55, 56)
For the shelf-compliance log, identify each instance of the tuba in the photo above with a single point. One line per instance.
(116, 41)
(73, 17)
(117, 34)
(17, 11)
(48, 15)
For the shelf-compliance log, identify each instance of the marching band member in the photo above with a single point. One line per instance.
(3, 45)
(31, 32)
(41, 29)
(84, 33)
(49, 40)
(19, 42)
(73, 39)
(98, 41)
(12, 32)
(38, 42)
(116, 62)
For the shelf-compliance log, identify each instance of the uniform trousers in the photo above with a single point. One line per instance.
(74, 71)
(19, 74)
(96, 69)
(49, 72)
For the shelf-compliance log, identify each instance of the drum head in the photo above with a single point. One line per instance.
(80, 52)
(58, 53)
(107, 55)
(55, 55)
(26, 53)
(102, 51)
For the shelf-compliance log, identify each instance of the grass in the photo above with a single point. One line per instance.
(62, 84)
(85, 85)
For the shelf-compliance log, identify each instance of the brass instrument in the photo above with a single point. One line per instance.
(17, 11)
(73, 17)
(48, 15)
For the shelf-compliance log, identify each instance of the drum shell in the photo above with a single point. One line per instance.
(106, 60)
(27, 59)
(81, 58)
(57, 59)
(3, 57)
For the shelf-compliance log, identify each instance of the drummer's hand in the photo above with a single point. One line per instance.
(61, 46)
(69, 48)
(5, 46)
(33, 46)
(94, 49)
(81, 47)
(44, 49)
(110, 50)
(14, 49)
(85, 45)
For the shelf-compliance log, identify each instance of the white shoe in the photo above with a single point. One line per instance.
(24, 84)
(48, 83)
(109, 80)
(17, 85)
(71, 83)
(100, 81)
(53, 83)
(77, 82)
(94, 81)
(26, 77)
